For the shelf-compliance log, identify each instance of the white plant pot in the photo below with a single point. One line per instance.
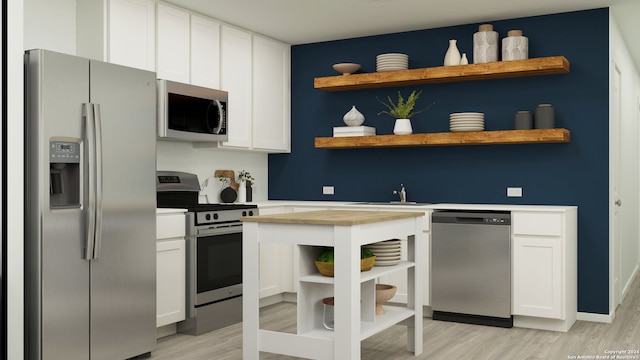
(402, 127)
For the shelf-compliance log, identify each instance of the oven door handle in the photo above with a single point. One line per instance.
(219, 229)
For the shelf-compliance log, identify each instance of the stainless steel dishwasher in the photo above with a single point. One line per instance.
(471, 267)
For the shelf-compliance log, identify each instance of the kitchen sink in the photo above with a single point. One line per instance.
(406, 203)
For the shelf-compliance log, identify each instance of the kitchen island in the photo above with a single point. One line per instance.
(354, 291)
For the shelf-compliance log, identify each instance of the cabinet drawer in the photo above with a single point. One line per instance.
(534, 223)
(170, 226)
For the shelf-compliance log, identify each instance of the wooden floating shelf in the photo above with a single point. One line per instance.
(535, 136)
(444, 74)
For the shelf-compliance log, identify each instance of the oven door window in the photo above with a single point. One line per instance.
(219, 261)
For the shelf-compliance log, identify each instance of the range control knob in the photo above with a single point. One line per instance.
(244, 213)
(250, 212)
(207, 216)
(215, 216)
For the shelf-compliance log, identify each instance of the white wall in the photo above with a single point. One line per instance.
(50, 25)
(626, 260)
(204, 161)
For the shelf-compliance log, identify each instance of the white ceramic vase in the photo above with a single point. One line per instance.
(353, 117)
(485, 45)
(402, 127)
(242, 192)
(464, 60)
(515, 46)
(452, 57)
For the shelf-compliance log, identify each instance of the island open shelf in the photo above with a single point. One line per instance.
(355, 317)
(443, 74)
(495, 137)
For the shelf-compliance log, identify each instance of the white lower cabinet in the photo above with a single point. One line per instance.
(170, 266)
(544, 269)
(276, 263)
(537, 274)
(170, 282)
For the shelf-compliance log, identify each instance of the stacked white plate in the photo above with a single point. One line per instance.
(387, 252)
(392, 61)
(466, 121)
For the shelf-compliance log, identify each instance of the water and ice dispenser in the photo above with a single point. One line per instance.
(64, 173)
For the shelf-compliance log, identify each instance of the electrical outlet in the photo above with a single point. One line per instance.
(514, 192)
(327, 190)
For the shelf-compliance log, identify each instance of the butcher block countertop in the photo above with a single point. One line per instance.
(333, 217)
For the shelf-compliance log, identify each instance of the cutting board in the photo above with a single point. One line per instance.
(228, 174)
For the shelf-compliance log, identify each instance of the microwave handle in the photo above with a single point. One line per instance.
(221, 122)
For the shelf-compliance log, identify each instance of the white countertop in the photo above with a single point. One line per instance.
(441, 206)
(169, 211)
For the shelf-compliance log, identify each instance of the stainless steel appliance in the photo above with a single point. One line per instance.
(214, 253)
(191, 113)
(471, 267)
(90, 212)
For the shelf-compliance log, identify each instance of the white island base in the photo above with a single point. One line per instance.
(354, 291)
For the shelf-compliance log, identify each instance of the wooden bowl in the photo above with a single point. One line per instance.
(326, 268)
(384, 293)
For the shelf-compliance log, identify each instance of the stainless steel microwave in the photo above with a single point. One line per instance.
(191, 113)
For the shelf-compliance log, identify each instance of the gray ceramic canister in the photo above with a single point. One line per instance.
(545, 117)
(523, 120)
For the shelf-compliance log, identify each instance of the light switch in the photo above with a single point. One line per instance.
(514, 192)
(327, 190)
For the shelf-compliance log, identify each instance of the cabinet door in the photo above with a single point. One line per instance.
(170, 281)
(236, 79)
(276, 262)
(132, 35)
(205, 52)
(173, 44)
(271, 93)
(537, 276)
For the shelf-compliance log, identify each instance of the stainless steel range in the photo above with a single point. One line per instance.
(214, 253)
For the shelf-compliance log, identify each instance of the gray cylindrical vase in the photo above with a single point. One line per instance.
(523, 120)
(545, 117)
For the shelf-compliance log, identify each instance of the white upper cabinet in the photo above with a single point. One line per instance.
(173, 44)
(256, 73)
(271, 94)
(205, 52)
(132, 35)
(236, 79)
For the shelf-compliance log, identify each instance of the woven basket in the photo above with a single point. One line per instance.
(326, 268)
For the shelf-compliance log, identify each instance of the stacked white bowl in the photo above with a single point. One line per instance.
(387, 252)
(466, 121)
(392, 61)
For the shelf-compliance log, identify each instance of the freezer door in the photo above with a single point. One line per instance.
(56, 273)
(123, 273)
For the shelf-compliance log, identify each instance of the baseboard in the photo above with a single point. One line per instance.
(603, 318)
(627, 286)
(166, 330)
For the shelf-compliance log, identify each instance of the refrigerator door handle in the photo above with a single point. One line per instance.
(87, 112)
(98, 172)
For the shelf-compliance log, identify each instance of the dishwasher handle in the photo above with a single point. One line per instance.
(472, 217)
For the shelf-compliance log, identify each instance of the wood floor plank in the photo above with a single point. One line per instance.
(442, 340)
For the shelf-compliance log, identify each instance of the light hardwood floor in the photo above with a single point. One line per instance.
(442, 340)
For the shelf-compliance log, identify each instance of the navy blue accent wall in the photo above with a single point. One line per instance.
(550, 174)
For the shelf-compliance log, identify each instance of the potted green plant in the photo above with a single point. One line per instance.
(324, 261)
(402, 111)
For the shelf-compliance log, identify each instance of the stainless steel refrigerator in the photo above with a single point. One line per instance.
(90, 161)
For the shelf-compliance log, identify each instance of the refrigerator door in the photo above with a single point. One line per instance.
(56, 273)
(123, 271)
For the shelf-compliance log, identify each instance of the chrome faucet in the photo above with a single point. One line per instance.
(402, 193)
